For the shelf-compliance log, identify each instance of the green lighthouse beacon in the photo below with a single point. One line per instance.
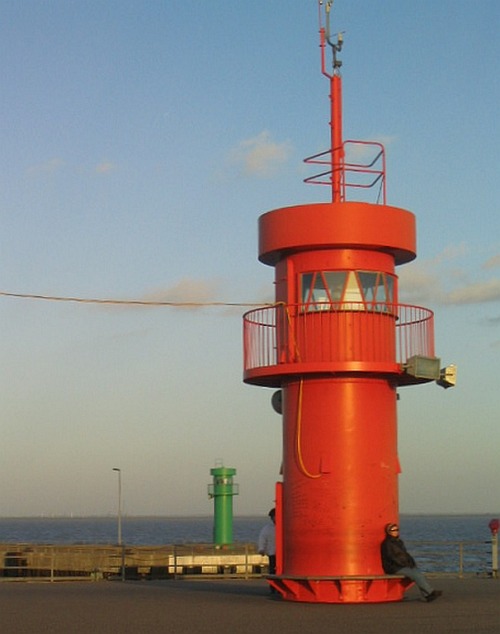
(222, 490)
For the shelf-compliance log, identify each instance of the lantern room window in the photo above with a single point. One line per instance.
(346, 290)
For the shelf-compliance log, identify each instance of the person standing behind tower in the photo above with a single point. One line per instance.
(267, 541)
(397, 560)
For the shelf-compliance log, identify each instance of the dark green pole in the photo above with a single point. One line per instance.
(222, 490)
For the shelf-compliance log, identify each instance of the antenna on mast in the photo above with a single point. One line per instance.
(335, 175)
(369, 169)
(336, 46)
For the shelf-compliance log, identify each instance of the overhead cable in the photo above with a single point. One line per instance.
(129, 302)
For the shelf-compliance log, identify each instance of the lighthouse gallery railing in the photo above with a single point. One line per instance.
(282, 334)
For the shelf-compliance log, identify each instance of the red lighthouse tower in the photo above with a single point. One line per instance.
(338, 344)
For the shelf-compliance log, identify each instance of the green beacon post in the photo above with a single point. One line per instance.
(222, 491)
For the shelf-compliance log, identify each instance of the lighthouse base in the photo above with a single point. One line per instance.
(348, 589)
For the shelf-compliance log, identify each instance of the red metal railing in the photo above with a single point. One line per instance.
(360, 174)
(336, 333)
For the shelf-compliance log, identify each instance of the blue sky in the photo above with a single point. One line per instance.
(140, 142)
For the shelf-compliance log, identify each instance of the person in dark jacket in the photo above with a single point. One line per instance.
(397, 560)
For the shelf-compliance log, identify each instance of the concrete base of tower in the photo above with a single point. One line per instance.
(347, 589)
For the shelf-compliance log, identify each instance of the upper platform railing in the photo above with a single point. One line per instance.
(366, 173)
(345, 336)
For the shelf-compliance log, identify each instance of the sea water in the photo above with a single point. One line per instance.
(178, 530)
(438, 542)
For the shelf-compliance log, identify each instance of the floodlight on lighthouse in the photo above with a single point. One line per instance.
(423, 367)
(448, 376)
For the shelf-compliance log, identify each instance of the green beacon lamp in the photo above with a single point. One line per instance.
(222, 490)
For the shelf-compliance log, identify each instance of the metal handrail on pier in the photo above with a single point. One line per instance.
(46, 562)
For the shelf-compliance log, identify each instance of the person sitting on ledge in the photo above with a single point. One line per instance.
(396, 560)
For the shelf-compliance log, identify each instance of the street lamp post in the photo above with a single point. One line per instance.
(122, 567)
(119, 471)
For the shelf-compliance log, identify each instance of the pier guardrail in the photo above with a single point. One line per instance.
(52, 562)
(95, 562)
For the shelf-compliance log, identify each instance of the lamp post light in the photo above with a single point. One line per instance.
(119, 471)
(122, 567)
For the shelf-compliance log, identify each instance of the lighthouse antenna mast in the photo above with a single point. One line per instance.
(337, 147)
(326, 38)
(341, 173)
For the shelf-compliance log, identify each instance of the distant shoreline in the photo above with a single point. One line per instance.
(210, 516)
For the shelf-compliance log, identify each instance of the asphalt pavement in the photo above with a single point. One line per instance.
(203, 606)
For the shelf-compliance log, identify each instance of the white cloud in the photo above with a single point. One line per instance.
(492, 263)
(477, 293)
(418, 284)
(105, 167)
(47, 167)
(260, 155)
(189, 293)
(451, 252)
(438, 281)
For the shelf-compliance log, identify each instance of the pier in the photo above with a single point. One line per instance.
(211, 606)
(96, 562)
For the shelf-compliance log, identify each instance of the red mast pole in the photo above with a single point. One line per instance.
(337, 144)
(338, 194)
